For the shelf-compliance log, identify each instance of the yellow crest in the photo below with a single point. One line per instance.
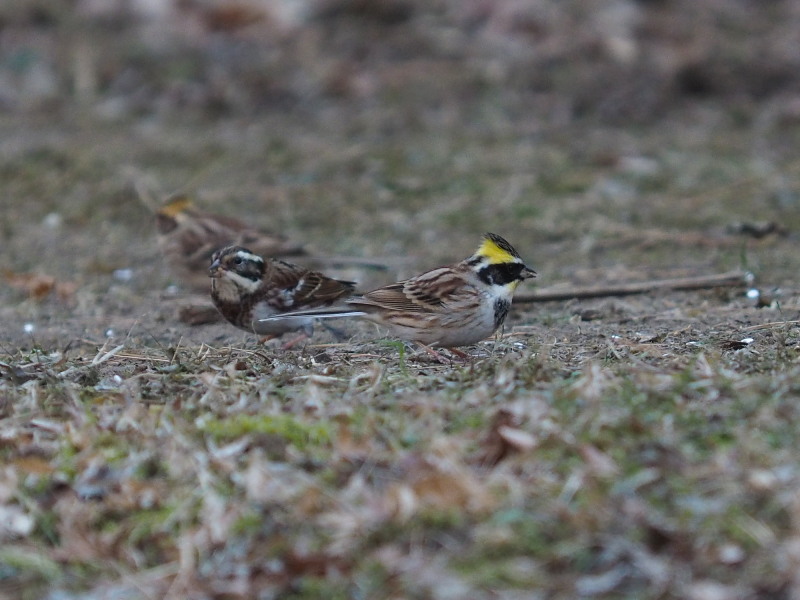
(175, 206)
(496, 250)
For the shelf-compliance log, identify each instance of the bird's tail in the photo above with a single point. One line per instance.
(333, 312)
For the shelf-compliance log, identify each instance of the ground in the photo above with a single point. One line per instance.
(638, 446)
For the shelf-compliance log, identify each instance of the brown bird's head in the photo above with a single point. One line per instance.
(239, 266)
(167, 216)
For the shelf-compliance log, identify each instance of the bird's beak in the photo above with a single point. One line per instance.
(527, 273)
(214, 269)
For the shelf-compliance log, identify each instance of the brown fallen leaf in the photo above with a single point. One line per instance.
(39, 286)
(33, 464)
(318, 564)
(65, 291)
(231, 16)
(599, 463)
(439, 483)
(504, 438)
(36, 285)
(96, 481)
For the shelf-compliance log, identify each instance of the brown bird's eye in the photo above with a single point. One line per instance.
(238, 260)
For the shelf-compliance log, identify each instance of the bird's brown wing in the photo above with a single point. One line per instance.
(306, 288)
(201, 233)
(429, 292)
(267, 244)
(221, 230)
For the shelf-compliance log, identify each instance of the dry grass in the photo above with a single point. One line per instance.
(638, 447)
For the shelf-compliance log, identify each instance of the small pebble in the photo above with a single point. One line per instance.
(123, 274)
(52, 220)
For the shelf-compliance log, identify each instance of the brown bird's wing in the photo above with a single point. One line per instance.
(267, 244)
(201, 233)
(302, 288)
(190, 235)
(429, 292)
(221, 230)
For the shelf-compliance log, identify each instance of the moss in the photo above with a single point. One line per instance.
(28, 564)
(299, 433)
(46, 529)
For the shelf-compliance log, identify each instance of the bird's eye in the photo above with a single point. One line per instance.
(238, 260)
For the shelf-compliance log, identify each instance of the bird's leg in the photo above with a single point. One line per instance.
(294, 341)
(498, 336)
(438, 357)
(462, 355)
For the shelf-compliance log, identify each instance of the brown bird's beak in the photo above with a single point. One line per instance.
(215, 269)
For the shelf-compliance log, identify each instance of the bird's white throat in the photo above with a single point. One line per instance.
(232, 285)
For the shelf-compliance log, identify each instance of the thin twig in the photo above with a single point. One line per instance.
(770, 325)
(142, 357)
(730, 279)
(101, 358)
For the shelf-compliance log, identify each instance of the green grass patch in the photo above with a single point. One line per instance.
(295, 431)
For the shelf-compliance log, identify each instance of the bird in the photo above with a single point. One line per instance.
(450, 306)
(188, 236)
(246, 288)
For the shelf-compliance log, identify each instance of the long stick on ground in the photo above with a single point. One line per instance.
(729, 279)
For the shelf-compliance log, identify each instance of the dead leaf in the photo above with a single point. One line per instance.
(96, 481)
(39, 286)
(519, 440)
(599, 463)
(504, 438)
(65, 291)
(317, 564)
(594, 382)
(33, 464)
(439, 483)
(231, 16)
(15, 374)
(9, 481)
(707, 589)
(270, 482)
